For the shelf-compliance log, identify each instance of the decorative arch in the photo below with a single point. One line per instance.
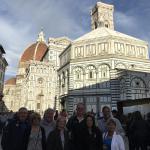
(78, 73)
(120, 66)
(138, 88)
(137, 82)
(105, 64)
(90, 66)
(104, 71)
(77, 67)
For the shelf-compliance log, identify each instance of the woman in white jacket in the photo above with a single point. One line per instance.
(112, 140)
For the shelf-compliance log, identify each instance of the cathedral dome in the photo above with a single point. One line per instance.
(11, 81)
(34, 52)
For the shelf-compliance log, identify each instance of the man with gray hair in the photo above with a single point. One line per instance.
(48, 122)
(106, 116)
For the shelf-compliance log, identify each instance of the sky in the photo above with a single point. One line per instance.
(22, 20)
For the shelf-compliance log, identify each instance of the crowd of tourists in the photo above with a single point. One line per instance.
(26, 130)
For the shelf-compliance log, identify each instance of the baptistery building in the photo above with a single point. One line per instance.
(103, 66)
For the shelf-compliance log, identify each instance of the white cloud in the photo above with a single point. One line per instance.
(23, 20)
(125, 22)
(13, 40)
(53, 16)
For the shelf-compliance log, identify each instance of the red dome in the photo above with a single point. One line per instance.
(34, 52)
(11, 81)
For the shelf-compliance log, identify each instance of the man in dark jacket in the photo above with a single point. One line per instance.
(75, 126)
(15, 133)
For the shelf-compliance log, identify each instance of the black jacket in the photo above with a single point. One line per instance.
(54, 141)
(94, 140)
(76, 130)
(15, 135)
(139, 130)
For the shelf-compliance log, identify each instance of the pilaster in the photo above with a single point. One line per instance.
(115, 87)
(128, 88)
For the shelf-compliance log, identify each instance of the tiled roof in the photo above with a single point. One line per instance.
(11, 81)
(34, 52)
(105, 32)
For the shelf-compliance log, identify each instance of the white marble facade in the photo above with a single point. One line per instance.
(103, 66)
(35, 85)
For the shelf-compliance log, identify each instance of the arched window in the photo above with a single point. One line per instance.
(106, 24)
(120, 66)
(104, 72)
(78, 73)
(78, 77)
(90, 72)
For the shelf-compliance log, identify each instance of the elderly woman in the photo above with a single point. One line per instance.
(58, 139)
(36, 135)
(111, 139)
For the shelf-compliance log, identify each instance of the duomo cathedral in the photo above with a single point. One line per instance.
(99, 68)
